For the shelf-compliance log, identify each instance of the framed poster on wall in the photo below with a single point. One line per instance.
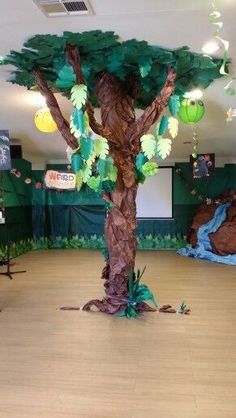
(5, 156)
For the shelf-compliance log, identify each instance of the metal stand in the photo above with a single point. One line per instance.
(7, 262)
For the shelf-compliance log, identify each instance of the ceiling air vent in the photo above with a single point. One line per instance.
(57, 8)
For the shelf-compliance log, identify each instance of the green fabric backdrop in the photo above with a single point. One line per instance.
(39, 213)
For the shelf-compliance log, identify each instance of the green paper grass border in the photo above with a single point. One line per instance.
(144, 242)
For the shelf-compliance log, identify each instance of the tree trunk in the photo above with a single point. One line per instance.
(120, 238)
(117, 113)
(118, 117)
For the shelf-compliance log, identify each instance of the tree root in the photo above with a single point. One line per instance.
(144, 307)
(104, 306)
(167, 309)
(108, 307)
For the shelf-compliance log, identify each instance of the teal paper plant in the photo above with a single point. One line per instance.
(138, 293)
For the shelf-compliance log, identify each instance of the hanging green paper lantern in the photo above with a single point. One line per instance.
(191, 110)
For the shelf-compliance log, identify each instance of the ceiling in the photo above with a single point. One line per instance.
(167, 23)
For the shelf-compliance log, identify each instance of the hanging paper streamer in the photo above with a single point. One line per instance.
(5, 157)
(200, 196)
(195, 144)
(215, 15)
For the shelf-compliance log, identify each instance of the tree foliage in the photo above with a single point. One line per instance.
(98, 53)
(103, 51)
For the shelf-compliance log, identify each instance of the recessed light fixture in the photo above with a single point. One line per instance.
(210, 47)
(194, 94)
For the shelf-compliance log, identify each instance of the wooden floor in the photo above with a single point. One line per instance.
(57, 364)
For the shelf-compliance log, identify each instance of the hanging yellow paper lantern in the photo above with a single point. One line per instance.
(44, 121)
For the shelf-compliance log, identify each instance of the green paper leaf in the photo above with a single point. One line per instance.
(145, 65)
(163, 125)
(91, 159)
(108, 186)
(173, 126)
(87, 171)
(107, 170)
(121, 314)
(86, 122)
(116, 60)
(150, 169)
(101, 147)
(112, 174)
(130, 284)
(101, 167)
(141, 159)
(77, 122)
(163, 147)
(94, 183)
(66, 77)
(76, 162)
(140, 177)
(74, 131)
(86, 147)
(79, 95)
(111, 170)
(131, 312)
(79, 180)
(148, 145)
(174, 104)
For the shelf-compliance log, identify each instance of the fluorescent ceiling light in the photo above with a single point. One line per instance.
(210, 47)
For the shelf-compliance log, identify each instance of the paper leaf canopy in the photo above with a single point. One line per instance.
(102, 51)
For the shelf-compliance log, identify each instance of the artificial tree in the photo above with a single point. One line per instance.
(96, 69)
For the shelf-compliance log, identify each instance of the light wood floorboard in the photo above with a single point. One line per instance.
(57, 364)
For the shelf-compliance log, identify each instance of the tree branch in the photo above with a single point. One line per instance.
(62, 124)
(152, 113)
(73, 57)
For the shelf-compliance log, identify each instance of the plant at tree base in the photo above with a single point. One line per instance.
(112, 157)
(139, 294)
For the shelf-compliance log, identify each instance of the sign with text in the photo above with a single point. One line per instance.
(61, 181)
(5, 156)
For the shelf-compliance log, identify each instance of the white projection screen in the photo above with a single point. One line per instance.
(155, 196)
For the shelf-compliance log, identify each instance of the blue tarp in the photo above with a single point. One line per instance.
(203, 248)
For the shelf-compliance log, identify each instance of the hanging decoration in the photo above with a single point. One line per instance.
(2, 209)
(195, 145)
(53, 180)
(231, 113)
(200, 196)
(215, 15)
(202, 165)
(27, 180)
(214, 19)
(44, 121)
(191, 111)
